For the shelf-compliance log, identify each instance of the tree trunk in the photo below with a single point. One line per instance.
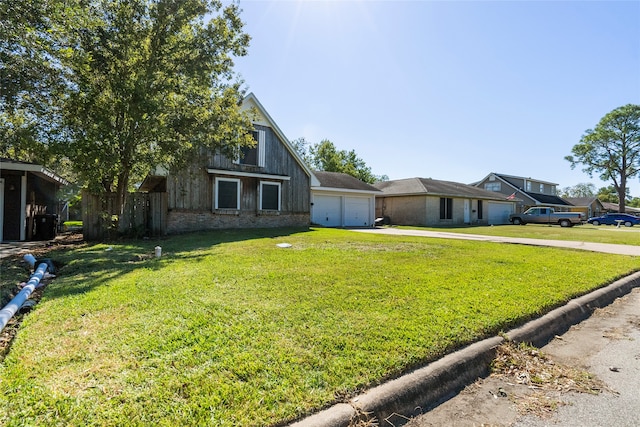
(622, 190)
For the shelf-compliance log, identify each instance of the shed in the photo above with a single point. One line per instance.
(28, 203)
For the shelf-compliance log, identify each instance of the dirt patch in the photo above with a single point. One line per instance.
(15, 271)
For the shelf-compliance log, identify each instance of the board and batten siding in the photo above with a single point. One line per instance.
(191, 193)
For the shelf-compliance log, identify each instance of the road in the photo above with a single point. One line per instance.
(606, 345)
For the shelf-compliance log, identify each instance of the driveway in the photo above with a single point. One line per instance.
(585, 246)
(8, 249)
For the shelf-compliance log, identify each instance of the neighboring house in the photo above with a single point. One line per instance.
(340, 200)
(430, 202)
(270, 186)
(590, 206)
(526, 192)
(28, 203)
(614, 208)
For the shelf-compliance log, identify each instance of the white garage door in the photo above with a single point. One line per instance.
(499, 212)
(327, 211)
(356, 212)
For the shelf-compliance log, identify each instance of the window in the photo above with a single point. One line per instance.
(528, 185)
(446, 208)
(492, 186)
(269, 196)
(227, 193)
(479, 209)
(542, 188)
(255, 155)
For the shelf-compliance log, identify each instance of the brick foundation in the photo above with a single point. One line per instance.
(182, 221)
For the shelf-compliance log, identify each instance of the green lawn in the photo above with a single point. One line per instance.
(229, 329)
(581, 233)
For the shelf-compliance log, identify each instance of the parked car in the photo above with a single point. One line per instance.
(546, 215)
(615, 219)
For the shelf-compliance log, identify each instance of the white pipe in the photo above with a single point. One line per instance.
(14, 305)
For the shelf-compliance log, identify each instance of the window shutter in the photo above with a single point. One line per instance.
(261, 148)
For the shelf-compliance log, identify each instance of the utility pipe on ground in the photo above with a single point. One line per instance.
(14, 305)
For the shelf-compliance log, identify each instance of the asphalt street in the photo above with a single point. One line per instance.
(606, 345)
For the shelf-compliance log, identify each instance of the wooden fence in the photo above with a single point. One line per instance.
(145, 214)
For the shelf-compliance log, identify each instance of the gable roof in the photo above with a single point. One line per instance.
(434, 187)
(250, 101)
(505, 178)
(41, 171)
(581, 201)
(613, 207)
(261, 117)
(547, 199)
(342, 181)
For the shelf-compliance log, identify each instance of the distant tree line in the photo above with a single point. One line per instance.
(324, 156)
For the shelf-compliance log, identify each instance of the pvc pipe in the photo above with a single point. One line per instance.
(14, 305)
(31, 260)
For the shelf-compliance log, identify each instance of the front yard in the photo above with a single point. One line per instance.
(226, 328)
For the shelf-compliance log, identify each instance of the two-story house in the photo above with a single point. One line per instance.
(526, 192)
(268, 186)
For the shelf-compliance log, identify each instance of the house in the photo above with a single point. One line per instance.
(614, 208)
(270, 186)
(29, 206)
(430, 202)
(589, 206)
(340, 200)
(526, 192)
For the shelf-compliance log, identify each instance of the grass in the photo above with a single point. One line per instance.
(229, 329)
(72, 225)
(581, 233)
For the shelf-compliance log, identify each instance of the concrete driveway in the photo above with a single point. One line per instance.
(585, 246)
(16, 248)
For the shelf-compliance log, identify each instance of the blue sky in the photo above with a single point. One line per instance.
(449, 90)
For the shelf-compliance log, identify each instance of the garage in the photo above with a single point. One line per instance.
(327, 211)
(342, 201)
(499, 212)
(356, 212)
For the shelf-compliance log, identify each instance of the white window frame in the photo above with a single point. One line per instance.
(260, 147)
(541, 188)
(279, 185)
(493, 186)
(217, 192)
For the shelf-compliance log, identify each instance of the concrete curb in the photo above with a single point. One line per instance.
(427, 387)
(542, 330)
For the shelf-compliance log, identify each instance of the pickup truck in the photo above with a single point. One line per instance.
(544, 215)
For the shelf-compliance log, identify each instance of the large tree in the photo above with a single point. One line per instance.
(612, 149)
(324, 156)
(583, 189)
(31, 77)
(151, 82)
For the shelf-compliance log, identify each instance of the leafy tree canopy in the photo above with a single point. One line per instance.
(612, 149)
(31, 77)
(138, 83)
(324, 156)
(609, 194)
(583, 189)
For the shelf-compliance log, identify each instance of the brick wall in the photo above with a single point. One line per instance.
(180, 221)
